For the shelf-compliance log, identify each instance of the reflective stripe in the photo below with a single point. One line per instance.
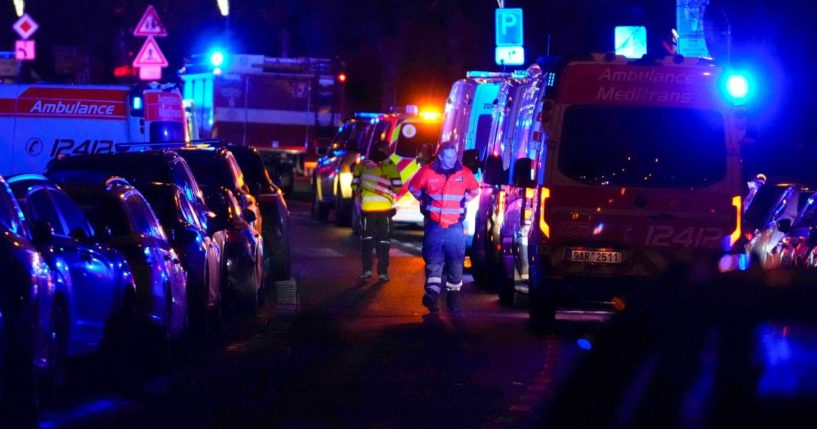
(444, 211)
(434, 288)
(434, 280)
(453, 286)
(385, 242)
(446, 197)
(378, 198)
(367, 186)
(376, 179)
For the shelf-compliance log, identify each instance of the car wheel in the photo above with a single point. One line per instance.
(319, 210)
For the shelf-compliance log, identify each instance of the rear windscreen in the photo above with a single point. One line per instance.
(412, 135)
(643, 146)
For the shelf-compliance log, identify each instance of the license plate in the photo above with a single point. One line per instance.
(595, 256)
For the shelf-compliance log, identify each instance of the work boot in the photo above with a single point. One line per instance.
(366, 275)
(430, 302)
(452, 301)
(383, 277)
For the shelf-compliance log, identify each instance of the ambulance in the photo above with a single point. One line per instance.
(467, 121)
(621, 170)
(40, 122)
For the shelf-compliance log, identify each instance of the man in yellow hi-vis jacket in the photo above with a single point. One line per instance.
(375, 182)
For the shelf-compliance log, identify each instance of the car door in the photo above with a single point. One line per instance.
(95, 293)
(193, 223)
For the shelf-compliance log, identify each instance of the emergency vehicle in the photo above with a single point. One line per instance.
(39, 122)
(467, 122)
(332, 178)
(486, 248)
(281, 106)
(619, 170)
(409, 134)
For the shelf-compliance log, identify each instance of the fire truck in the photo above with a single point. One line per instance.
(39, 122)
(611, 171)
(282, 106)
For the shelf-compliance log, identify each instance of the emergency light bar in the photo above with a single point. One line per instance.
(520, 74)
(158, 146)
(486, 75)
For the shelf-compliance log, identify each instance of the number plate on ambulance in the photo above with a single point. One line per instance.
(595, 256)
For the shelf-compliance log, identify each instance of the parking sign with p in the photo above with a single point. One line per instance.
(509, 27)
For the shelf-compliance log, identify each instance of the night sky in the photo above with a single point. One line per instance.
(399, 52)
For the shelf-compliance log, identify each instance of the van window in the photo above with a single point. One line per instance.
(380, 131)
(412, 135)
(482, 134)
(643, 146)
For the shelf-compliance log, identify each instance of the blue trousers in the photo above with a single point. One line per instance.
(444, 254)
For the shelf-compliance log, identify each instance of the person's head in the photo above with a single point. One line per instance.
(380, 151)
(447, 154)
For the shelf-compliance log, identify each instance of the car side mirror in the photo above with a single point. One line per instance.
(470, 159)
(41, 232)
(424, 154)
(249, 216)
(494, 173)
(784, 225)
(322, 150)
(523, 173)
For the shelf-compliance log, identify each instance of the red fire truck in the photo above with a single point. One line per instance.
(281, 106)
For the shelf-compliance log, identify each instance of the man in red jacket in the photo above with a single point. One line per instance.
(443, 188)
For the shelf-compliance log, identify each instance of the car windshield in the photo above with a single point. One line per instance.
(253, 167)
(210, 169)
(412, 135)
(98, 169)
(643, 146)
(103, 213)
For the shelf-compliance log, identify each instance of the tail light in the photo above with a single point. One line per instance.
(544, 194)
(530, 195)
(735, 236)
(501, 203)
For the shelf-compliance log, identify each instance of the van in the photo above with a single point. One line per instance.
(40, 122)
(628, 169)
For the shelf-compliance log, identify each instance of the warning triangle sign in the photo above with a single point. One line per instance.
(150, 24)
(150, 55)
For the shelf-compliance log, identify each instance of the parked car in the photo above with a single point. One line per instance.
(197, 251)
(93, 281)
(136, 167)
(243, 248)
(777, 223)
(332, 179)
(31, 326)
(161, 282)
(274, 210)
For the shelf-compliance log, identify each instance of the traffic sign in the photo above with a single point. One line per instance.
(150, 73)
(509, 27)
(150, 55)
(150, 25)
(25, 26)
(24, 50)
(509, 55)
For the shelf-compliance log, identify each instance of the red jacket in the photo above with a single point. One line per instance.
(443, 197)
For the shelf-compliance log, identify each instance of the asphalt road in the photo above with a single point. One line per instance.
(331, 351)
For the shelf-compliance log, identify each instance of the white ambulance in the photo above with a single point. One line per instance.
(39, 122)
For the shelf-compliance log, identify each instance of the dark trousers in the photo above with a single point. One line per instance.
(375, 230)
(444, 255)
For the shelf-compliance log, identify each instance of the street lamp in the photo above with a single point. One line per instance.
(223, 7)
(19, 7)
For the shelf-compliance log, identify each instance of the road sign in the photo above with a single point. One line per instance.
(25, 26)
(24, 50)
(510, 55)
(150, 73)
(509, 27)
(150, 25)
(150, 55)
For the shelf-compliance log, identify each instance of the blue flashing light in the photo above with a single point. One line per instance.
(367, 115)
(584, 344)
(737, 87)
(217, 58)
(137, 103)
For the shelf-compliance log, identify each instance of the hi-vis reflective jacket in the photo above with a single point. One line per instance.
(442, 196)
(377, 183)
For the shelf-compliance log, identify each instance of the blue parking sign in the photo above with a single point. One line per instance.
(509, 27)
